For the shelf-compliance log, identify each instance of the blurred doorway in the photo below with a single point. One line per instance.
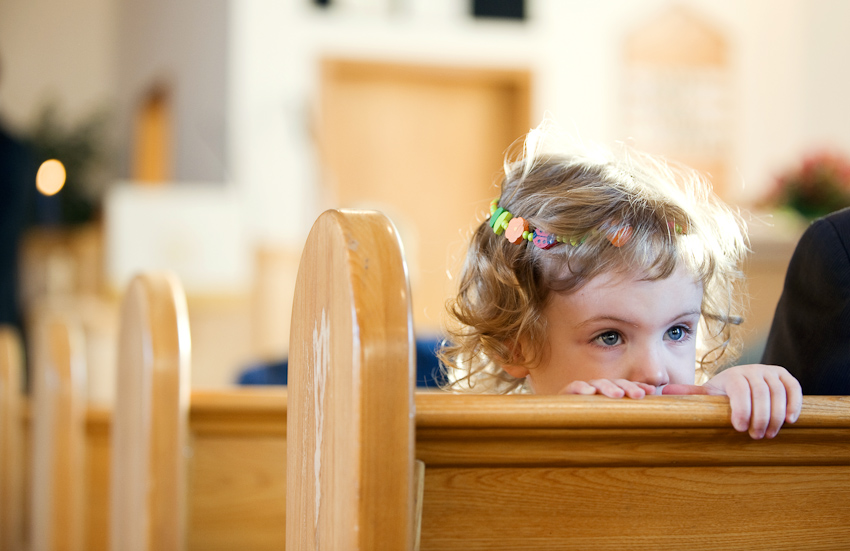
(425, 145)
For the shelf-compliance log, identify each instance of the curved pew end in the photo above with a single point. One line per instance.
(11, 443)
(350, 421)
(150, 424)
(57, 506)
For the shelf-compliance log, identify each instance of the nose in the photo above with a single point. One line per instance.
(647, 365)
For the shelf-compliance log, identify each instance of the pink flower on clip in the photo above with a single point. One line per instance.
(515, 229)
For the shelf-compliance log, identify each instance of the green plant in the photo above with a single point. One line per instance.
(818, 185)
(82, 149)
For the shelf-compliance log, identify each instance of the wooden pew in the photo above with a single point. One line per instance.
(237, 482)
(58, 441)
(232, 458)
(234, 452)
(521, 472)
(237, 493)
(150, 419)
(11, 439)
(214, 460)
(659, 473)
(350, 466)
(236, 471)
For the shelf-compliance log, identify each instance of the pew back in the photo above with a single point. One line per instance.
(575, 472)
(236, 473)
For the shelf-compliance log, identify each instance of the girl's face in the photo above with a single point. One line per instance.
(616, 327)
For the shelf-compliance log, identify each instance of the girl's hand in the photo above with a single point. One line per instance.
(612, 389)
(762, 397)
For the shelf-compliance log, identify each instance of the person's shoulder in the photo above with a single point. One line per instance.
(829, 231)
(826, 240)
(830, 228)
(838, 220)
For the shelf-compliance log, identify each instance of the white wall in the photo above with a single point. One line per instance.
(246, 75)
(787, 78)
(273, 93)
(55, 49)
(825, 73)
(182, 45)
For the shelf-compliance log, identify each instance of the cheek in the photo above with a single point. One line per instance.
(683, 367)
(563, 365)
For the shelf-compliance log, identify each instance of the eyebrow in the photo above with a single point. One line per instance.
(595, 319)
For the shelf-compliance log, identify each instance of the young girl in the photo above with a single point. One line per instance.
(593, 273)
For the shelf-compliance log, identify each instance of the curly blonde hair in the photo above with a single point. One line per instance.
(578, 191)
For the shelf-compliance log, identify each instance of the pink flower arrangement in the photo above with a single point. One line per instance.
(820, 184)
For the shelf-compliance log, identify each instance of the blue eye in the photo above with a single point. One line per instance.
(609, 338)
(678, 333)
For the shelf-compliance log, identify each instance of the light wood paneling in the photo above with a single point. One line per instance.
(425, 145)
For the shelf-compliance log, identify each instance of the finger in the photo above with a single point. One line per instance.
(678, 389)
(578, 387)
(778, 404)
(607, 388)
(649, 389)
(795, 397)
(740, 401)
(761, 406)
(631, 388)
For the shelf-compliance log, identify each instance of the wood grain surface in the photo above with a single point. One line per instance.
(58, 438)
(11, 439)
(351, 372)
(150, 423)
(490, 475)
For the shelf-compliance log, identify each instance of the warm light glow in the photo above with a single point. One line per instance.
(50, 177)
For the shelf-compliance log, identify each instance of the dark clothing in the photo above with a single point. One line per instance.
(17, 193)
(810, 334)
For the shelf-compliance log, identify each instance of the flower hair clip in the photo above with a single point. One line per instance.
(516, 230)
